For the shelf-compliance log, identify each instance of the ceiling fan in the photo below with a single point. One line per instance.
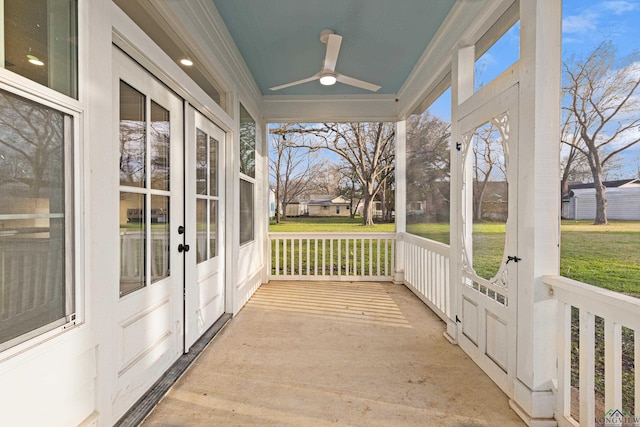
(327, 74)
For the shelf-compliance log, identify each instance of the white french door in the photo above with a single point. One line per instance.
(149, 132)
(204, 228)
(487, 293)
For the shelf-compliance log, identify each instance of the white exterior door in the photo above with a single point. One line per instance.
(149, 133)
(487, 292)
(204, 229)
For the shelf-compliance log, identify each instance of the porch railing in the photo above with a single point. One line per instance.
(332, 256)
(607, 323)
(426, 272)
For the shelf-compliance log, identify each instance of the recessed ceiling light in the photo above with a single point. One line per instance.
(186, 62)
(35, 60)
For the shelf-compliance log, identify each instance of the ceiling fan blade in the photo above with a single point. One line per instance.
(299, 82)
(357, 83)
(333, 49)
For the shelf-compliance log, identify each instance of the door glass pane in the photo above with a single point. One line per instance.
(201, 162)
(40, 42)
(33, 286)
(201, 230)
(213, 167)
(132, 137)
(490, 199)
(160, 241)
(213, 229)
(132, 242)
(159, 137)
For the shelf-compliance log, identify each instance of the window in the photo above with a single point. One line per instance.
(498, 58)
(246, 211)
(247, 168)
(40, 42)
(247, 143)
(36, 194)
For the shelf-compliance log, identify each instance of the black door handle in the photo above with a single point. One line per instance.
(509, 258)
(183, 248)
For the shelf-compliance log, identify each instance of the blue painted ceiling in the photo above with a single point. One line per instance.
(382, 40)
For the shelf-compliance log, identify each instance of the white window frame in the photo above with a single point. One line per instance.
(74, 240)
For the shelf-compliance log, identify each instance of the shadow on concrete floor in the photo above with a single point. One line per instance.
(328, 353)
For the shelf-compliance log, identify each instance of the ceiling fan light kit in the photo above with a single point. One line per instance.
(328, 80)
(327, 74)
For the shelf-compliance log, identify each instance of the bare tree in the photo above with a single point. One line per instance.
(488, 165)
(600, 97)
(32, 136)
(292, 169)
(367, 147)
(428, 159)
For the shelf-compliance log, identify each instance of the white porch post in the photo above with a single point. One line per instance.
(538, 208)
(462, 77)
(400, 198)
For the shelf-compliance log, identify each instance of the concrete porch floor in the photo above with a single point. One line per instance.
(327, 353)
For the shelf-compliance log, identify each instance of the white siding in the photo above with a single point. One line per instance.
(622, 204)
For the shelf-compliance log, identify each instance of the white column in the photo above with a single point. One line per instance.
(461, 89)
(401, 198)
(232, 207)
(538, 207)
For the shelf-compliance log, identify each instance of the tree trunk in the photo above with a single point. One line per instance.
(278, 200)
(367, 214)
(601, 199)
(601, 204)
(478, 194)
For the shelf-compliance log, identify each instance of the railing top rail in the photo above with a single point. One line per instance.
(423, 241)
(602, 302)
(333, 235)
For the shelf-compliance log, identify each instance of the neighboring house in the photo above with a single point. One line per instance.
(297, 208)
(272, 204)
(623, 200)
(326, 205)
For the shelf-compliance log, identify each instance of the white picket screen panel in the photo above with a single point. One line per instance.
(426, 272)
(600, 316)
(332, 256)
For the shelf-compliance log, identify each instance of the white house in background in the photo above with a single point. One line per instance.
(623, 200)
(327, 205)
(297, 208)
(272, 203)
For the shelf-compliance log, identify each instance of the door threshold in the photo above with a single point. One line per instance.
(143, 407)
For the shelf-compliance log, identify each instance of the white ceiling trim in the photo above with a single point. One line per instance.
(340, 108)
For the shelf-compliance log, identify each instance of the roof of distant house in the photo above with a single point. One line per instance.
(608, 184)
(327, 200)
